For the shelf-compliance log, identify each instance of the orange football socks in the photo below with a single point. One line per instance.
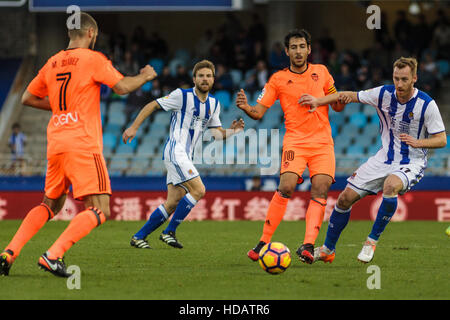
(78, 228)
(34, 220)
(275, 213)
(314, 218)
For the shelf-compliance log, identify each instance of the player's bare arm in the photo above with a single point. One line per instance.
(337, 100)
(255, 112)
(129, 84)
(146, 111)
(438, 140)
(235, 127)
(31, 100)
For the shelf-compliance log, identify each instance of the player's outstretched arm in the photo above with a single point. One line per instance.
(220, 133)
(31, 100)
(145, 112)
(255, 112)
(129, 84)
(337, 100)
(438, 140)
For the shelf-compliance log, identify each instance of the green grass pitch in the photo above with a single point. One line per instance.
(413, 258)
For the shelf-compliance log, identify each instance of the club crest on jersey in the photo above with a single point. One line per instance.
(411, 115)
(315, 76)
(290, 82)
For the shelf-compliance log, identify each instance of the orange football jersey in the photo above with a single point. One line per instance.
(302, 127)
(71, 79)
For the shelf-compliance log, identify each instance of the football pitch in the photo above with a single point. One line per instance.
(412, 257)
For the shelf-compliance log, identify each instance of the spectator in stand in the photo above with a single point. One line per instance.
(262, 74)
(327, 44)
(17, 143)
(363, 81)
(402, 30)
(344, 80)
(278, 58)
(204, 45)
(239, 60)
(441, 37)
(257, 30)
(256, 183)
(423, 35)
(128, 67)
(258, 52)
(182, 78)
(382, 35)
(427, 81)
(136, 100)
(334, 66)
(167, 80)
(223, 79)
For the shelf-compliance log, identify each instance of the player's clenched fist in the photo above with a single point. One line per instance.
(149, 72)
(241, 99)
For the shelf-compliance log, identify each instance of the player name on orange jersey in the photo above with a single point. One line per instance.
(66, 62)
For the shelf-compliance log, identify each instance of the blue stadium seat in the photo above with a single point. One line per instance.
(117, 106)
(183, 55)
(368, 110)
(443, 67)
(371, 129)
(374, 119)
(334, 129)
(113, 128)
(173, 64)
(109, 140)
(350, 130)
(236, 77)
(157, 64)
(118, 164)
(358, 119)
(224, 98)
(364, 140)
(351, 108)
(337, 118)
(126, 148)
(342, 141)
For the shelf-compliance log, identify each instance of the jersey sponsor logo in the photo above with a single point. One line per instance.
(64, 118)
(261, 95)
(315, 76)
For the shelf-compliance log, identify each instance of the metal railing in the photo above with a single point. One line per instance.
(152, 164)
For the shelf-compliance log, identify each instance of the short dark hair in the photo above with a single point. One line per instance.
(15, 126)
(86, 22)
(203, 64)
(296, 33)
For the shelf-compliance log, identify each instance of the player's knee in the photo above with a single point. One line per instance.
(198, 193)
(286, 190)
(344, 202)
(391, 190)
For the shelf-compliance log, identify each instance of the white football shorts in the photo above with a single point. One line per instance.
(369, 177)
(180, 168)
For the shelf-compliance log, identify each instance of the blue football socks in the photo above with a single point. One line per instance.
(385, 213)
(338, 220)
(156, 219)
(184, 207)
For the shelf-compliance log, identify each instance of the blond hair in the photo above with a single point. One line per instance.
(86, 22)
(204, 64)
(407, 62)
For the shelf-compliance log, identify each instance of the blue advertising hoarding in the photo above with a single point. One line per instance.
(136, 5)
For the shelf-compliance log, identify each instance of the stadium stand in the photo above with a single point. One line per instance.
(355, 130)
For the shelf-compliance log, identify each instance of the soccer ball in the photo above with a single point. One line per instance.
(274, 258)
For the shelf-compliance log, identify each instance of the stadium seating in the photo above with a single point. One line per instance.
(157, 64)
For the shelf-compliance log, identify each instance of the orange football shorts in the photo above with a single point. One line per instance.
(86, 172)
(319, 159)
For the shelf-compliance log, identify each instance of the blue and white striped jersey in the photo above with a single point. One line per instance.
(190, 118)
(419, 117)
